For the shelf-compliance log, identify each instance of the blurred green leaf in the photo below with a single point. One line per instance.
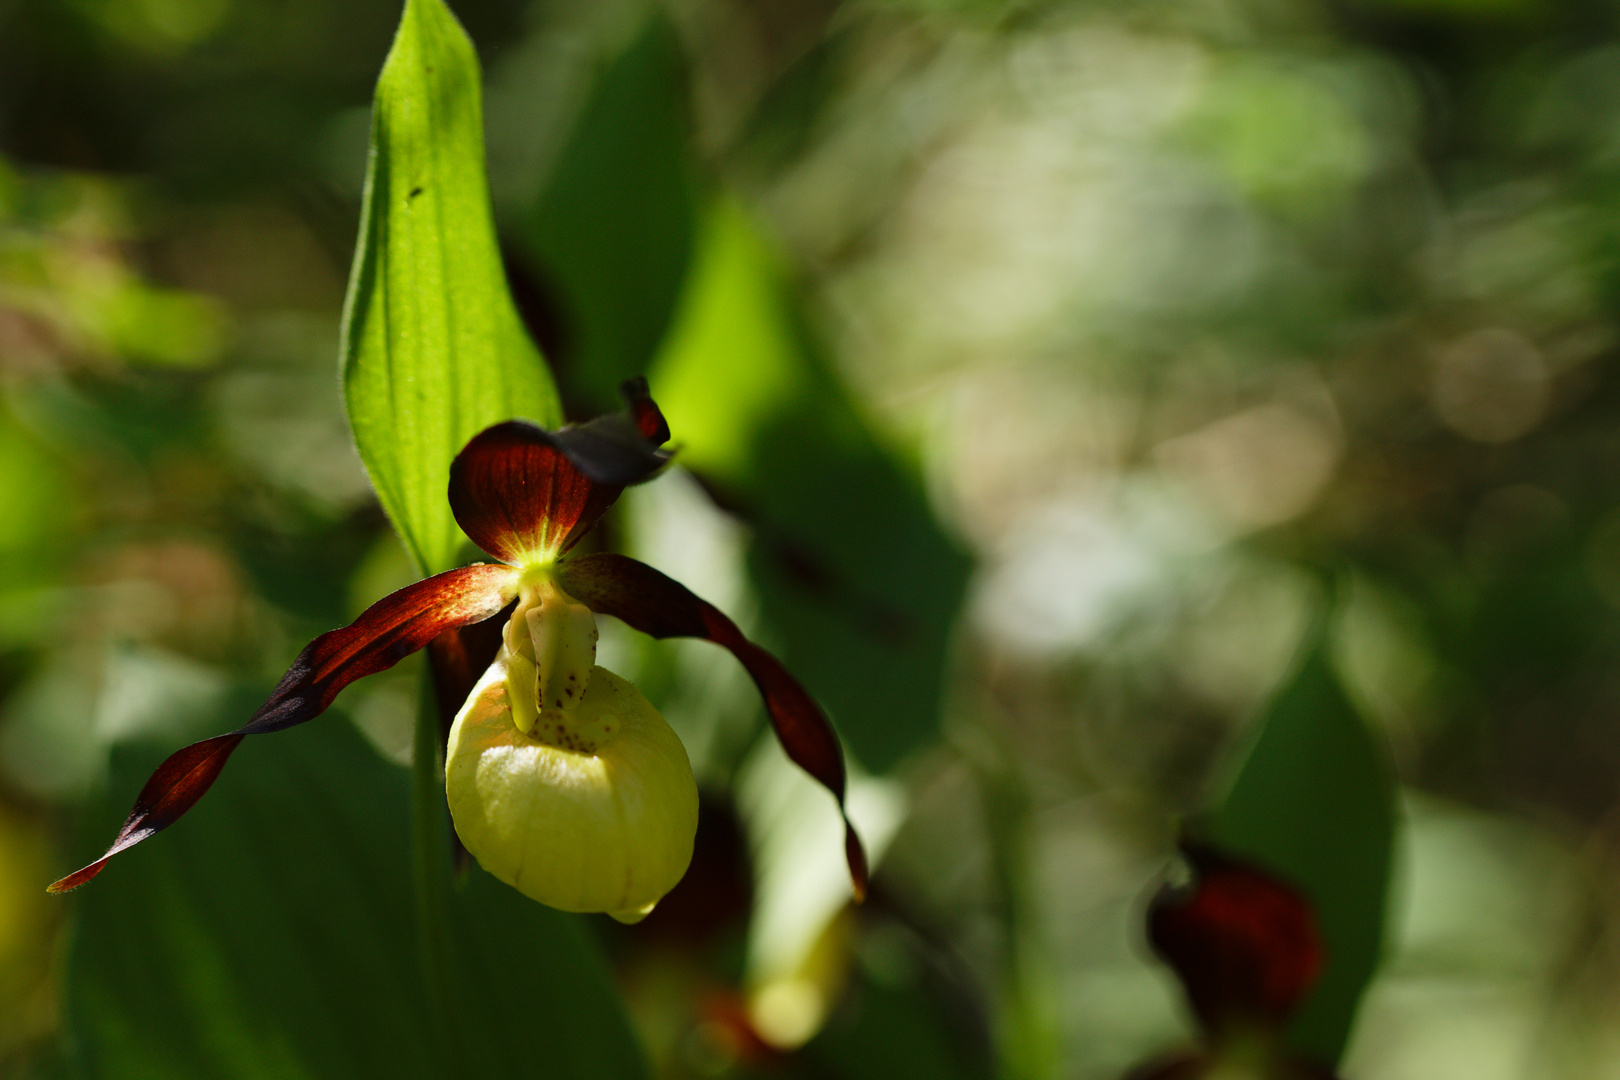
(433, 349)
(162, 326)
(270, 934)
(886, 1031)
(1314, 800)
(42, 524)
(612, 230)
(39, 503)
(860, 587)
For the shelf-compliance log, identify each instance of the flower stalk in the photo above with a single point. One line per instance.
(430, 847)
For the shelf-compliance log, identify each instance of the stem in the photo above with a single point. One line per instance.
(431, 867)
(1030, 1043)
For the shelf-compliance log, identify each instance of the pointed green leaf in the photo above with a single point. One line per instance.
(433, 348)
(1314, 800)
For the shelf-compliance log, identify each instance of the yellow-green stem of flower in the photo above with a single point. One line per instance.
(430, 835)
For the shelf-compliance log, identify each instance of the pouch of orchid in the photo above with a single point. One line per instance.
(562, 780)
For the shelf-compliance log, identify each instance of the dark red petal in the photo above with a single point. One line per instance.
(1245, 944)
(522, 492)
(658, 605)
(172, 790)
(387, 632)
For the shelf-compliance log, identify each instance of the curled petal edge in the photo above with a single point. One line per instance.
(662, 607)
(619, 449)
(385, 633)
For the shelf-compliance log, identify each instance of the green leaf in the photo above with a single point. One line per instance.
(1314, 800)
(886, 1030)
(859, 585)
(270, 934)
(612, 230)
(433, 348)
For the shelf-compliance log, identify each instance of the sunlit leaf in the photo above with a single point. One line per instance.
(433, 349)
(271, 935)
(859, 584)
(1314, 801)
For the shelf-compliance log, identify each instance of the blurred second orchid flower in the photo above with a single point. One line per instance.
(1248, 951)
(562, 780)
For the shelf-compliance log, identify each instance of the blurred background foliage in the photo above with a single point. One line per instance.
(1075, 393)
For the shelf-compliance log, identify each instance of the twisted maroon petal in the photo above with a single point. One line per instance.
(524, 493)
(387, 632)
(662, 607)
(172, 790)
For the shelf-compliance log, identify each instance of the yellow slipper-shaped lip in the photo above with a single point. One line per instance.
(604, 829)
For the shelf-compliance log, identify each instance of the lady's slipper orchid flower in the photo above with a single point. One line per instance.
(562, 780)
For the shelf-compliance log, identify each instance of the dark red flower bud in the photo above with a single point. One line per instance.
(1245, 945)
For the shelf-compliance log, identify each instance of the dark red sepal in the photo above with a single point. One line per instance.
(662, 607)
(522, 492)
(385, 633)
(1245, 944)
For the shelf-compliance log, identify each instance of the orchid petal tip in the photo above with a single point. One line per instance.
(75, 879)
